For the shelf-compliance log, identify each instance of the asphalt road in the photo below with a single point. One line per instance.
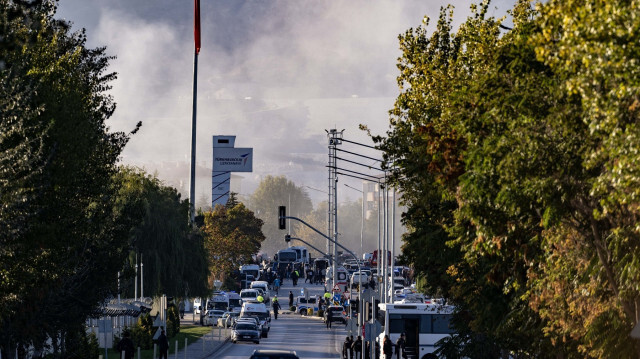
(309, 337)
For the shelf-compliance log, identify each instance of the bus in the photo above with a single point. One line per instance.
(251, 269)
(423, 324)
(302, 254)
(286, 256)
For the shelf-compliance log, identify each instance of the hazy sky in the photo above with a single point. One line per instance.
(275, 73)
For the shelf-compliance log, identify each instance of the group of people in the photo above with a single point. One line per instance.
(352, 349)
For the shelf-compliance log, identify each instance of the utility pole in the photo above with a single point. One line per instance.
(335, 139)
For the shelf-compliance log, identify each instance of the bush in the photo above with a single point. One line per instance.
(81, 345)
(292, 308)
(173, 321)
(142, 332)
(320, 313)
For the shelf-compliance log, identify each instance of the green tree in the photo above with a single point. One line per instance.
(516, 156)
(174, 258)
(62, 241)
(453, 138)
(232, 237)
(271, 193)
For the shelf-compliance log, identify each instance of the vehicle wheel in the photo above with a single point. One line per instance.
(430, 356)
(233, 341)
(257, 342)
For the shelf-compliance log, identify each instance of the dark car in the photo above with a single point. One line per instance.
(274, 354)
(245, 331)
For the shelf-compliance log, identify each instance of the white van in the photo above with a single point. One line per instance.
(259, 310)
(249, 295)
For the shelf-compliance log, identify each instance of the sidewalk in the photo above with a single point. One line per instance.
(203, 347)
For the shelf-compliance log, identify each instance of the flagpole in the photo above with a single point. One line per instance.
(192, 189)
(192, 186)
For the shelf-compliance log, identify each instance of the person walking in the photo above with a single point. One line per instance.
(351, 347)
(345, 349)
(400, 345)
(387, 347)
(276, 284)
(163, 345)
(126, 345)
(276, 307)
(357, 347)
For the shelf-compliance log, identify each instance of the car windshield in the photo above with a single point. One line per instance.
(249, 294)
(261, 315)
(337, 310)
(246, 326)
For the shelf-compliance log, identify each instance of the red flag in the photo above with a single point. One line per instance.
(196, 25)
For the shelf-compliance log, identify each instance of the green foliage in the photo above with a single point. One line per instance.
(82, 345)
(516, 155)
(173, 321)
(62, 243)
(231, 237)
(271, 193)
(142, 332)
(173, 254)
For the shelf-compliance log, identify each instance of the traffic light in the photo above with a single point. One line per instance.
(282, 222)
(367, 311)
(287, 238)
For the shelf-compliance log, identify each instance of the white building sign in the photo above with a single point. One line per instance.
(227, 159)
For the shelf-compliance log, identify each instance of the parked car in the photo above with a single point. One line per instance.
(274, 354)
(228, 319)
(212, 316)
(245, 331)
(337, 312)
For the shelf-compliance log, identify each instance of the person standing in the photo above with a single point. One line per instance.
(290, 299)
(163, 345)
(351, 347)
(357, 347)
(387, 347)
(126, 345)
(345, 349)
(400, 344)
(329, 317)
(276, 307)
